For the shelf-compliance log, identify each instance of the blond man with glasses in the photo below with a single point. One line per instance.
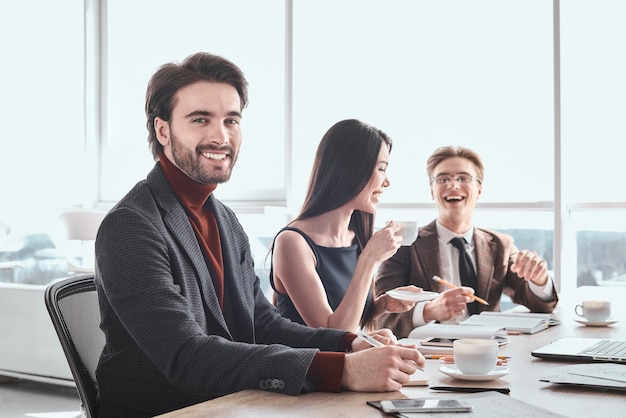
(479, 261)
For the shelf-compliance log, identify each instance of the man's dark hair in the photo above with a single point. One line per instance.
(170, 78)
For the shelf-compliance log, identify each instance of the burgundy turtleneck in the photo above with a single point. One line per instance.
(193, 195)
(326, 369)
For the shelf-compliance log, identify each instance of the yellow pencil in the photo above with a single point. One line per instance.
(440, 356)
(451, 286)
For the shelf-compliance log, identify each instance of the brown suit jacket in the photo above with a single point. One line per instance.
(418, 263)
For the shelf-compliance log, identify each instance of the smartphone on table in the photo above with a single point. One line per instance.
(425, 405)
(438, 342)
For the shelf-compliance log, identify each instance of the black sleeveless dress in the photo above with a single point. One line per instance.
(335, 267)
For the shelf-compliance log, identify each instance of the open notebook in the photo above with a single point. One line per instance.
(525, 323)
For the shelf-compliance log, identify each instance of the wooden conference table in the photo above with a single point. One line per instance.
(523, 381)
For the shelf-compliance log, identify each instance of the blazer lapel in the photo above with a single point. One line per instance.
(428, 254)
(241, 305)
(177, 222)
(485, 250)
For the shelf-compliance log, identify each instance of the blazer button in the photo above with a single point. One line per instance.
(270, 384)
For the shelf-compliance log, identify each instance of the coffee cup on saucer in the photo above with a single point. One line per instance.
(475, 356)
(594, 310)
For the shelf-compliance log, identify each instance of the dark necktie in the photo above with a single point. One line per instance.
(466, 271)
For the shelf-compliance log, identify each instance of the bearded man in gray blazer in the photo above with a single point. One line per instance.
(182, 311)
(456, 175)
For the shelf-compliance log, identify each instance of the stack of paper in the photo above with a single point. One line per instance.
(550, 318)
(487, 405)
(594, 375)
(525, 323)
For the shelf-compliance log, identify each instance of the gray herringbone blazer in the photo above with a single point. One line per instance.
(168, 344)
(418, 263)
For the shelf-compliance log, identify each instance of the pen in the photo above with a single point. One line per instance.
(469, 389)
(368, 339)
(451, 286)
(440, 356)
(373, 342)
(450, 360)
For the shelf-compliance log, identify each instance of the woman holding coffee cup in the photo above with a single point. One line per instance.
(324, 261)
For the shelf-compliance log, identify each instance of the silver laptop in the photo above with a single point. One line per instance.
(584, 349)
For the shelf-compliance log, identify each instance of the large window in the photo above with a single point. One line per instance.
(144, 34)
(593, 72)
(593, 86)
(41, 101)
(477, 74)
(536, 87)
(44, 166)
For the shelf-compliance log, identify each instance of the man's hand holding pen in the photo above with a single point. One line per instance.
(450, 303)
(378, 363)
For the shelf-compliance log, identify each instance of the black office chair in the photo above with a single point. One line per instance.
(73, 307)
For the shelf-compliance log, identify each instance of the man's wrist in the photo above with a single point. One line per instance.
(326, 371)
(543, 292)
(418, 318)
(345, 344)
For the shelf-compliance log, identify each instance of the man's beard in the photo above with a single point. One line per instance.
(189, 162)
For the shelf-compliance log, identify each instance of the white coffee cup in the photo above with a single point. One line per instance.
(475, 356)
(408, 231)
(594, 310)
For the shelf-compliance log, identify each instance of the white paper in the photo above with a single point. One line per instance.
(591, 374)
(434, 330)
(522, 324)
(492, 404)
(549, 317)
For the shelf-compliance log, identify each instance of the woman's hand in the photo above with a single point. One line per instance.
(383, 244)
(387, 304)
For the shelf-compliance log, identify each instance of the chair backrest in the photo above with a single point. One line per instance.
(73, 307)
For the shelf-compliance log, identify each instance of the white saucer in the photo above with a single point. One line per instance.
(596, 323)
(496, 373)
(412, 296)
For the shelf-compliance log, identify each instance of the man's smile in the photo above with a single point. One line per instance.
(214, 156)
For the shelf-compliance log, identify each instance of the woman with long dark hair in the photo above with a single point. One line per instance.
(324, 261)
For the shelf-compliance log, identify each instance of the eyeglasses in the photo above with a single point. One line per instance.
(459, 178)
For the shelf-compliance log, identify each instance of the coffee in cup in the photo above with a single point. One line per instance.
(408, 231)
(594, 310)
(475, 356)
